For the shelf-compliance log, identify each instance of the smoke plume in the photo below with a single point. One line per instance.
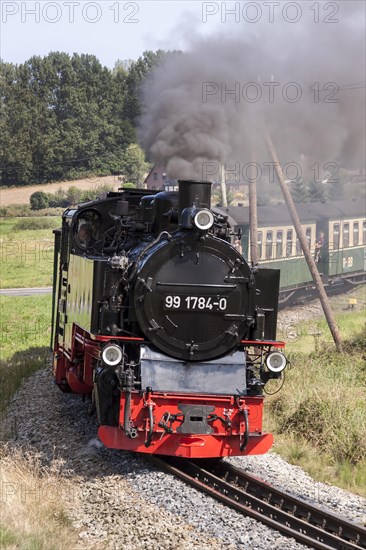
(190, 117)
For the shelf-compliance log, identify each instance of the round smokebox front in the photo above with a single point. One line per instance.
(194, 298)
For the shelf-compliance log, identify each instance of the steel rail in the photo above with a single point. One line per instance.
(309, 524)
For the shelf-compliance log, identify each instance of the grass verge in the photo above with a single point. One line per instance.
(25, 329)
(319, 416)
(34, 500)
(26, 251)
(33, 504)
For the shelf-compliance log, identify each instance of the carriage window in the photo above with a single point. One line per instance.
(336, 236)
(259, 244)
(279, 242)
(289, 242)
(364, 233)
(269, 241)
(298, 247)
(88, 229)
(308, 236)
(355, 233)
(345, 235)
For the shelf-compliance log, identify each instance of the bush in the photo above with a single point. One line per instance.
(55, 203)
(357, 343)
(129, 185)
(73, 195)
(57, 200)
(24, 211)
(39, 200)
(98, 191)
(47, 212)
(36, 223)
(15, 210)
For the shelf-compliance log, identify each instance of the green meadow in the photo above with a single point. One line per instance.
(25, 334)
(26, 251)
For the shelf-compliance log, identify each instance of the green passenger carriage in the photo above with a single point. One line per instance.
(335, 232)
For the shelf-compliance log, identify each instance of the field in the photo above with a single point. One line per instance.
(21, 195)
(27, 254)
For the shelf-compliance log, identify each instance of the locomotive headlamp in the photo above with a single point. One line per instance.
(276, 361)
(112, 355)
(203, 219)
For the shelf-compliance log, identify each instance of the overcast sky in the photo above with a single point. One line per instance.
(109, 29)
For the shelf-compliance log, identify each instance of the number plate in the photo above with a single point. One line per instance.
(195, 303)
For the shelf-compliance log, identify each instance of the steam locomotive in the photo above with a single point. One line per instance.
(161, 321)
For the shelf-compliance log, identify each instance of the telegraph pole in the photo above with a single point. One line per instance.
(305, 247)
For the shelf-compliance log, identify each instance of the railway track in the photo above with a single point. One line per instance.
(301, 296)
(254, 497)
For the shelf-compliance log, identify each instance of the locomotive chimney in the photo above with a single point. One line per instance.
(194, 193)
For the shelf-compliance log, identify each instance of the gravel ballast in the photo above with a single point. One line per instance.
(123, 502)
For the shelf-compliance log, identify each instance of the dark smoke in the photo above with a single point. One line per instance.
(182, 132)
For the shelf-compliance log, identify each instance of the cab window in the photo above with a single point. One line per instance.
(87, 231)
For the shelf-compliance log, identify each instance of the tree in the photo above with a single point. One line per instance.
(17, 111)
(65, 116)
(298, 190)
(39, 200)
(123, 65)
(218, 196)
(316, 191)
(134, 165)
(335, 190)
(137, 73)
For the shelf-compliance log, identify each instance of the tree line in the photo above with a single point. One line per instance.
(64, 117)
(317, 191)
